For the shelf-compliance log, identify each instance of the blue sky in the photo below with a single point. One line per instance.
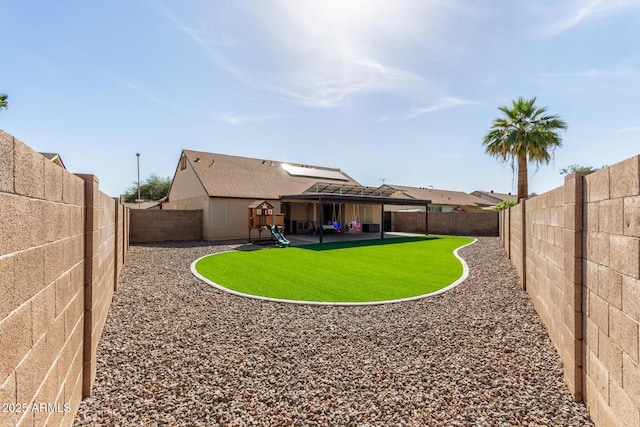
(384, 89)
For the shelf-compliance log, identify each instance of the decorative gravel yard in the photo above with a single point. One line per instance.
(177, 352)
(369, 271)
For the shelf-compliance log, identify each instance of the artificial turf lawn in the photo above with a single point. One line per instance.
(362, 271)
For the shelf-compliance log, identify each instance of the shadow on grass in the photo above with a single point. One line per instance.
(363, 243)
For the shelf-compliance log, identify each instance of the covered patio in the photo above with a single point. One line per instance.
(322, 195)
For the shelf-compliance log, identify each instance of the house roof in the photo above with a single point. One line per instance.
(242, 177)
(495, 197)
(55, 158)
(144, 205)
(439, 197)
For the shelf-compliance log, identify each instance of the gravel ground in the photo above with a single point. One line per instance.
(176, 351)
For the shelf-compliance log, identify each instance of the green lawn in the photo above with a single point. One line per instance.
(362, 271)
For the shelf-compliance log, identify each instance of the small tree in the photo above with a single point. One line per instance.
(577, 168)
(153, 188)
(504, 205)
(4, 103)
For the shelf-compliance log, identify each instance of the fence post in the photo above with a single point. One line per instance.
(91, 191)
(523, 241)
(117, 243)
(573, 205)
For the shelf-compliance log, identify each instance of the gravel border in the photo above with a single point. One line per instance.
(176, 351)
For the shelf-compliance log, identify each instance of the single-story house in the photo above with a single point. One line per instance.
(493, 197)
(441, 200)
(309, 197)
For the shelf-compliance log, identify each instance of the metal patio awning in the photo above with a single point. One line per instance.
(322, 198)
(354, 198)
(350, 189)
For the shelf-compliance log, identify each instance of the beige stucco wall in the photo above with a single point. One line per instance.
(185, 186)
(234, 225)
(227, 218)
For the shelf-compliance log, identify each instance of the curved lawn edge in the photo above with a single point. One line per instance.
(462, 278)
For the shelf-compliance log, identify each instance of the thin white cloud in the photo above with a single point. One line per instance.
(198, 37)
(148, 96)
(629, 129)
(568, 15)
(624, 72)
(329, 89)
(238, 119)
(322, 53)
(440, 104)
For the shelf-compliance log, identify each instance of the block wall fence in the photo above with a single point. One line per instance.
(62, 244)
(577, 251)
(155, 225)
(456, 223)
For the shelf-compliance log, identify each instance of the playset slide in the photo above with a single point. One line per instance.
(279, 236)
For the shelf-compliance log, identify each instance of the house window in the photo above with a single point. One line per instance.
(218, 214)
(183, 162)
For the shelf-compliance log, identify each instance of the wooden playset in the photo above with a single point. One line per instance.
(262, 217)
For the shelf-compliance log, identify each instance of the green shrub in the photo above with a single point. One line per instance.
(504, 205)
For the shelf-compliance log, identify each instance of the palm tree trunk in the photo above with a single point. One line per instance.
(523, 178)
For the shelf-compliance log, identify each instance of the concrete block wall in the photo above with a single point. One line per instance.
(122, 238)
(517, 241)
(505, 229)
(544, 260)
(43, 287)
(581, 263)
(150, 225)
(612, 293)
(99, 271)
(456, 223)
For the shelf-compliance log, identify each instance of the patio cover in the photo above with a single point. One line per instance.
(352, 196)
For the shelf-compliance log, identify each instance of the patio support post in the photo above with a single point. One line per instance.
(382, 221)
(321, 216)
(426, 220)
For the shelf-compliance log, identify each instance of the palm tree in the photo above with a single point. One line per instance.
(3, 101)
(525, 134)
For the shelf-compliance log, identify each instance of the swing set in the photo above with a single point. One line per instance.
(335, 219)
(353, 225)
(355, 219)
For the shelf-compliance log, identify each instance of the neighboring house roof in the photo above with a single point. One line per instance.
(493, 197)
(223, 175)
(55, 158)
(144, 205)
(440, 197)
